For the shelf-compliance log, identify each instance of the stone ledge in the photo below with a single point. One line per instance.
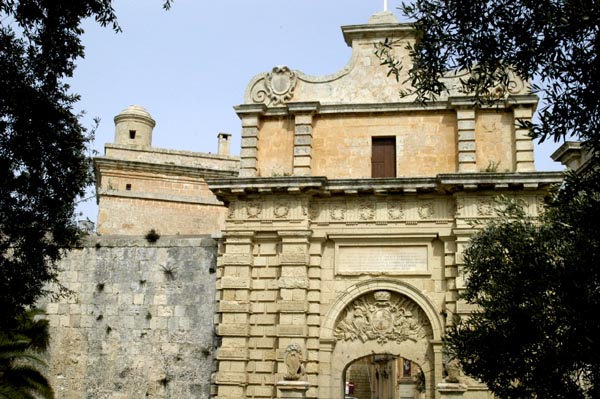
(442, 183)
(165, 241)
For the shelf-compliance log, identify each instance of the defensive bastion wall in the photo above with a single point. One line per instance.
(139, 322)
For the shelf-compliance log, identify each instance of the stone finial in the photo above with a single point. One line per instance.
(293, 362)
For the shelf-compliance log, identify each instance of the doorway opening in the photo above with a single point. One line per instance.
(383, 376)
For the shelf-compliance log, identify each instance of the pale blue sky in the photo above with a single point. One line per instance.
(189, 66)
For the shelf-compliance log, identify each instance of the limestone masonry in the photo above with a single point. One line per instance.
(335, 262)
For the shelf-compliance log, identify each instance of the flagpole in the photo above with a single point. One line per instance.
(384, 5)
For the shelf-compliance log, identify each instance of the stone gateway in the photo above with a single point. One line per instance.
(324, 262)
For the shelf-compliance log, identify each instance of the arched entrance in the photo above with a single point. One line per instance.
(385, 318)
(383, 376)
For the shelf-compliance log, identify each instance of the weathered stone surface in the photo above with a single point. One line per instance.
(141, 324)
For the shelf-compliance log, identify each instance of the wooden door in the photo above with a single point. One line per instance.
(383, 157)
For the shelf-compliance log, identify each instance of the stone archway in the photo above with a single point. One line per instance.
(380, 316)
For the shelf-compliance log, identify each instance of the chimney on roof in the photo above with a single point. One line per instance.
(224, 143)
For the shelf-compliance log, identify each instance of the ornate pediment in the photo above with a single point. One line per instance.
(382, 316)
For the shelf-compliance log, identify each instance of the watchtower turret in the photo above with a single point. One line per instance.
(134, 126)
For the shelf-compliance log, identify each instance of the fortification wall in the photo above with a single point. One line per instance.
(140, 321)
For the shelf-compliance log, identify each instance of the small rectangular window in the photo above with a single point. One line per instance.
(383, 157)
(128, 187)
(132, 134)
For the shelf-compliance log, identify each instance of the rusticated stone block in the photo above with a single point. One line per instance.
(233, 329)
(233, 307)
(235, 260)
(291, 331)
(293, 258)
(226, 378)
(235, 353)
(293, 282)
(234, 283)
(293, 306)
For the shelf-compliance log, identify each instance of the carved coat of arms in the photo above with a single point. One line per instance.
(382, 317)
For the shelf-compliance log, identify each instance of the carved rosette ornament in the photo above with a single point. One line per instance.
(382, 316)
(293, 362)
(280, 84)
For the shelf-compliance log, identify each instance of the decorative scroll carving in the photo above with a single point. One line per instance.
(366, 210)
(281, 210)
(382, 317)
(293, 362)
(253, 209)
(279, 86)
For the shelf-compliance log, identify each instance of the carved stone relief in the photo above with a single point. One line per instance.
(281, 210)
(426, 210)
(395, 211)
(253, 209)
(337, 211)
(366, 210)
(279, 85)
(293, 362)
(382, 316)
(231, 211)
(485, 208)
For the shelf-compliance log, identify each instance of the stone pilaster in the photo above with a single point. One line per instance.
(233, 284)
(250, 115)
(523, 143)
(467, 149)
(438, 365)
(293, 283)
(303, 126)
(450, 273)
(262, 341)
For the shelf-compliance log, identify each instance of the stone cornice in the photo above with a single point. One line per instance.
(413, 106)
(442, 183)
(381, 30)
(164, 151)
(479, 181)
(101, 164)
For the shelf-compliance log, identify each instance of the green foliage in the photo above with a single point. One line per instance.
(554, 43)
(20, 361)
(152, 236)
(537, 287)
(536, 283)
(44, 166)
